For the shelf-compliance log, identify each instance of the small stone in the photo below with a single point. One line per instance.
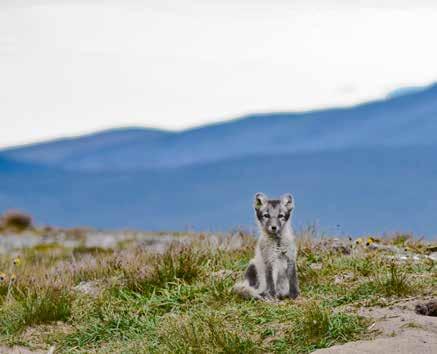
(316, 266)
(343, 277)
(91, 288)
(427, 309)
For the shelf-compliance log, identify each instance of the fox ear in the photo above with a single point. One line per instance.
(287, 201)
(260, 200)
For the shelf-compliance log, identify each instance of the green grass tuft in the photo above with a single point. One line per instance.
(320, 327)
(396, 282)
(33, 308)
(204, 333)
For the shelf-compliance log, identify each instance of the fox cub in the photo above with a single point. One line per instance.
(272, 272)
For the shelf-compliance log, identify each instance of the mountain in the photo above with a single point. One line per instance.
(10, 166)
(365, 169)
(58, 151)
(408, 120)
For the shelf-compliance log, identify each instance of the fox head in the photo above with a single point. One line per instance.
(273, 214)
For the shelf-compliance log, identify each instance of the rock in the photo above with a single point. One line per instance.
(91, 288)
(427, 309)
(235, 242)
(382, 247)
(316, 266)
(408, 342)
(432, 248)
(343, 277)
(433, 256)
(337, 245)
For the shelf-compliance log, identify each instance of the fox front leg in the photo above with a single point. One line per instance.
(270, 284)
(293, 281)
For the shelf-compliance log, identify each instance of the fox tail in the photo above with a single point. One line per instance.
(246, 291)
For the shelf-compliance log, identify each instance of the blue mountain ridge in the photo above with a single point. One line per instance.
(369, 169)
(407, 120)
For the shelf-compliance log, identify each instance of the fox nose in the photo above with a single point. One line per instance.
(274, 228)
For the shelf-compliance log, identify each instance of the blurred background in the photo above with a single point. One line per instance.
(171, 115)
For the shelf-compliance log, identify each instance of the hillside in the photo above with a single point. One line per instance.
(369, 168)
(58, 151)
(408, 120)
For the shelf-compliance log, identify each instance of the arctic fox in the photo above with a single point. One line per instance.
(272, 272)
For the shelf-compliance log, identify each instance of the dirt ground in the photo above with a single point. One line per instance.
(401, 331)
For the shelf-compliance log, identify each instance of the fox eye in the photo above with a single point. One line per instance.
(266, 216)
(281, 216)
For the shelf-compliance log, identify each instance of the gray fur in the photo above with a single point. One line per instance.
(272, 272)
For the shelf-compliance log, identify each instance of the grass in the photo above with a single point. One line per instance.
(180, 301)
(396, 282)
(177, 263)
(33, 308)
(203, 332)
(320, 327)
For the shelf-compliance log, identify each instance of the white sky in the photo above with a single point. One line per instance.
(74, 66)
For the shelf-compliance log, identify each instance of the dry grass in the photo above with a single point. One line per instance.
(15, 221)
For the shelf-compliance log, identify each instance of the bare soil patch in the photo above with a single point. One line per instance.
(398, 329)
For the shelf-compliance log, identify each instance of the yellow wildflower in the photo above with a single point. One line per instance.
(359, 241)
(13, 278)
(370, 240)
(17, 261)
(3, 277)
